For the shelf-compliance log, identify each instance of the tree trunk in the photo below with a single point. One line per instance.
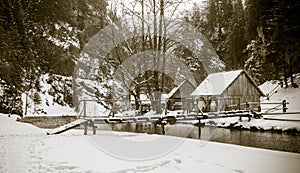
(285, 75)
(291, 71)
(156, 46)
(26, 104)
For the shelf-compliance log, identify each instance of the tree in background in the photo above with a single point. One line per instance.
(276, 24)
(151, 83)
(223, 22)
(254, 10)
(260, 36)
(39, 37)
(219, 14)
(236, 36)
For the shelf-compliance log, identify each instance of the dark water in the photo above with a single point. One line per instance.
(267, 140)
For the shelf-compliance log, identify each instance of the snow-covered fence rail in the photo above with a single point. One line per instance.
(276, 105)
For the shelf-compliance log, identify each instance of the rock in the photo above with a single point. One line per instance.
(254, 128)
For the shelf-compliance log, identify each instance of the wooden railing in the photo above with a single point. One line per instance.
(247, 105)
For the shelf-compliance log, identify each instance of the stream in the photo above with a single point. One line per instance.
(258, 139)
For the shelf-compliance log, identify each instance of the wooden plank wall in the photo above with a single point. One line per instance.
(184, 91)
(242, 88)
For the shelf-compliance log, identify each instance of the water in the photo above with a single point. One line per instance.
(267, 140)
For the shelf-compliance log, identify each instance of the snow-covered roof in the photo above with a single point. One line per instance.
(175, 89)
(216, 83)
(172, 92)
(270, 87)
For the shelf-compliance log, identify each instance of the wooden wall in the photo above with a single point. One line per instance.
(177, 101)
(184, 91)
(241, 90)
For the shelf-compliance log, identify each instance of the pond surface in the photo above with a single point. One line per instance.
(258, 139)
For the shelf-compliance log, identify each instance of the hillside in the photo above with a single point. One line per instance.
(53, 98)
(276, 94)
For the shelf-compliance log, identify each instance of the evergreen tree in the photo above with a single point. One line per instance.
(44, 36)
(255, 61)
(236, 41)
(276, 26)
(221, 29)
(254, 11)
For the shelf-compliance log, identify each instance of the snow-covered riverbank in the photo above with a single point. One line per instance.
(26, 148)
(284, 123)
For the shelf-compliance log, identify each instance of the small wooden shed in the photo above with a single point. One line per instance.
(228, 90)
(178, 96)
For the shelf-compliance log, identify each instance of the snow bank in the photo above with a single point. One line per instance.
(19, 145)
(25, 148)
(258, 124)
(9, 126)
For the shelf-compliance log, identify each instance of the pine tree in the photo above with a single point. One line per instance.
(236, 40)
(36, 38)
(254, 10)
(217, 29)
(276, 24)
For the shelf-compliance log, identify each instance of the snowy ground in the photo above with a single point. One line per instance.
(276, 94)
(25, 148)
(263, 124)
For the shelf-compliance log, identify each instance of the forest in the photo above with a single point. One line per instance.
(47, 37)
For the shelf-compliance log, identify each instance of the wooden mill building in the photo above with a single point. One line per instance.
(228, 90)
(177, 97)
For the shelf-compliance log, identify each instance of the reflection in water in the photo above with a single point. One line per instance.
(267, 140)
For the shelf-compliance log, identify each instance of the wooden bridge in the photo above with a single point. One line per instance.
(156, 120)
(167, 119)
(89, 121)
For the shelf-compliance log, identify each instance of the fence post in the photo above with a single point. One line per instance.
(199, 128)
(163, 129)
(197, 108)
(84, 108)
(166, 107)
(85, 128)
(284, 108)
(163, 123)
(247, 105)
(94, 127)
(259, 108)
